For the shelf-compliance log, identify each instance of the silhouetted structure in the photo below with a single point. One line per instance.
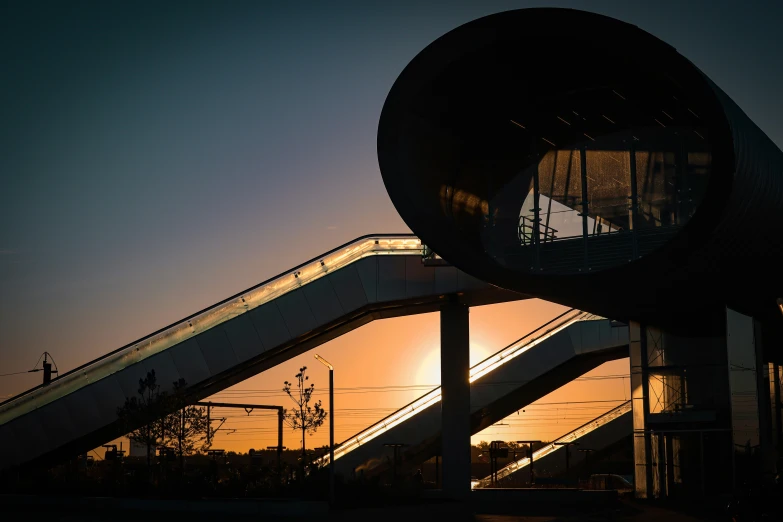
(577, 158)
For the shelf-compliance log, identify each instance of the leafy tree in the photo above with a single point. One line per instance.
(303, 417)
(514, 449)
(481, 452)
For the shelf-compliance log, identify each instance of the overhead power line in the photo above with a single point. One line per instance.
(401, 387)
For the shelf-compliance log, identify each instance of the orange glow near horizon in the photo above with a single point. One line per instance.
(386, 364)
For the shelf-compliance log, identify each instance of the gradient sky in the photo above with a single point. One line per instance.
(157, 159)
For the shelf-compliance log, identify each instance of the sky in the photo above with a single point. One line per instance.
(159, 157)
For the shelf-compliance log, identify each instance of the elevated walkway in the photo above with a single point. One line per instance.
(599, 433)
(370, 278)
(535, 365)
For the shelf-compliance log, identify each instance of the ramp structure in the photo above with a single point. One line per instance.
(373, 277)
(603, 431)
(526, 370)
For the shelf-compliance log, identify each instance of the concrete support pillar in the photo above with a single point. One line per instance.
(455, 402)
(642, 447)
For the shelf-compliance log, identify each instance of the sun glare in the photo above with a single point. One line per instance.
(429, 368)
(428, 371)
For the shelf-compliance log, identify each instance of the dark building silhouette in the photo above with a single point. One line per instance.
(544, 152)
(577, 158)
(580, 159)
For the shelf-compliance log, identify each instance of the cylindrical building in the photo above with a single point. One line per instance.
(580, 159)
(576, 158)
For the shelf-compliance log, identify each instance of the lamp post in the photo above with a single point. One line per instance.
(331, 425)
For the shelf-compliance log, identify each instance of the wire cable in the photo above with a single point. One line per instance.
(14, 373)
(56, 369)
(35, 366)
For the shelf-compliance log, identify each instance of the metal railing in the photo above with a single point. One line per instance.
(527, 228)
(500, 358)
(365, 246)
(556, 444)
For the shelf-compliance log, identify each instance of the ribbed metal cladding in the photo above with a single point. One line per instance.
(752, 222)
(728, 253)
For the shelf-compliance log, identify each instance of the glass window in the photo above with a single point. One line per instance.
(597, 176)
(656, 182)
(608, 191)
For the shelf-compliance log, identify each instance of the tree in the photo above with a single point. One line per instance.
(482, 451)
(186, 428)
(514, 448)
(137, 409)
(303, 417)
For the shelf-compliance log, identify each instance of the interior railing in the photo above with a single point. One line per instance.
(527, 230)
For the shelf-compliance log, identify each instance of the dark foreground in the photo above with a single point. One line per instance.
(478, 510)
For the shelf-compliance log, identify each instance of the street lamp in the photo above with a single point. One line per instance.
(331, 425)
(780, 305)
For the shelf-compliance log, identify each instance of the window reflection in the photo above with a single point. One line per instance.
(605, 202)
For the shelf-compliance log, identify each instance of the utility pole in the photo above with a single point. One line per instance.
(209, 425)
(47, 369)
(530, 454)
(587, 452)
(396, 447)
(496, 451)
(567, 452)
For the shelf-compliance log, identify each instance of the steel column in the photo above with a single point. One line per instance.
(536, 222)
(634, 205)
(585, 209)
(642, 447)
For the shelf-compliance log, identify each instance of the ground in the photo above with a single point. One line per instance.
(433, 512)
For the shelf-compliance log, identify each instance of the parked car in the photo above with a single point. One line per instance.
(609, 481)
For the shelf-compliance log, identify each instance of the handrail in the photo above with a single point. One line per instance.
(482, 368)
(527, 237)
(476, 372)
(571, 436)
(212, 316)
